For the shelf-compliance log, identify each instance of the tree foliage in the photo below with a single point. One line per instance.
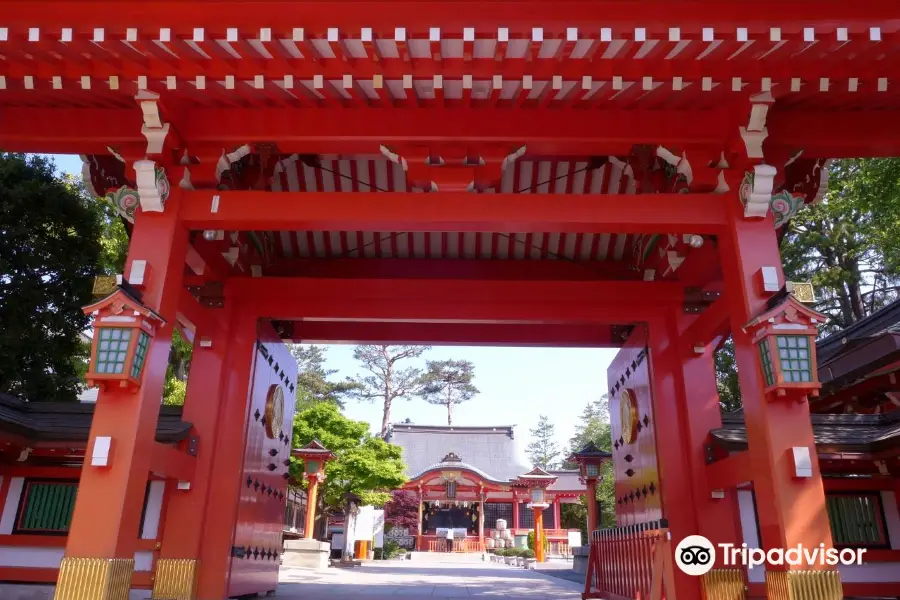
(386, 381)
(402, 511)
(543, 451)
(727, 377)
(364, 465)
(448, 383)
(848, 244)
(313, 383)
(593, 426)
(49, 255)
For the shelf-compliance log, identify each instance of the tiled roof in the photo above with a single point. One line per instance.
(488, 451)
(844, 432)
(71, 421)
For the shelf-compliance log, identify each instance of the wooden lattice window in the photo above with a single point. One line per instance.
(498, 510)
(857, 520)
(46, 507)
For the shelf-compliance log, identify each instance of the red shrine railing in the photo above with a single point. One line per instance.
(630, 563)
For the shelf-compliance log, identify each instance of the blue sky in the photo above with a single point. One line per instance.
(517, 384)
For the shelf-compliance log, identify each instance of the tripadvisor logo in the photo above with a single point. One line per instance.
(696, 556)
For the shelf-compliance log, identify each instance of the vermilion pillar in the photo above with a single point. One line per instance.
(176, 569)
(538, 532)
(515, 523)
(774, 426)
(228, 454)
(419, 530)
(99, 558)
(591, 499)
(311, 498)
(556, 513)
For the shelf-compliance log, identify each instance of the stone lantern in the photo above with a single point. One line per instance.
(537, 481)
(314, 456)
(307, 552)
(590, 461)
(785, 336)
(123, 330)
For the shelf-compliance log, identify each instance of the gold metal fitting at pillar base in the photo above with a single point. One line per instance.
(94, 579)
(724, 584)
(804, 585)
(175, 579)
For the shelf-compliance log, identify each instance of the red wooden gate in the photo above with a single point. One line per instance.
(256, 550)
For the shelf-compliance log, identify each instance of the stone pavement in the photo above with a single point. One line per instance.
(391, 579)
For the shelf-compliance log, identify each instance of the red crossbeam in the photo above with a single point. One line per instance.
(399, 211)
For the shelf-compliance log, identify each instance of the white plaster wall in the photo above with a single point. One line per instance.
(150, 530)
(49, 558)
(8, 519)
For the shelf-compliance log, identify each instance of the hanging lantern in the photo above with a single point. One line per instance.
(785, 337)
(590, 460)
(123, 330)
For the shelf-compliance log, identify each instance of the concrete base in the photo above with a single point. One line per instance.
(580, 555)
(21, 591)
(310, 554)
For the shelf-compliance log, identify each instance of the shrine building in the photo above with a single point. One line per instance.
(466, 478)
(575, 173)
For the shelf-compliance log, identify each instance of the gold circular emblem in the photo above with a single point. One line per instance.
(629, 413)
(274, 410)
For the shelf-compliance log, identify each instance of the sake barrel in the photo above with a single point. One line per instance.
(501, 524)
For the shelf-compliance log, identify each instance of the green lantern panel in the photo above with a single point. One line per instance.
(140, 354)
(112, 349)
(765, 359)
(312, 466)
(794, 357)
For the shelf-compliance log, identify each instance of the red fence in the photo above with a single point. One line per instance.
(630, 563)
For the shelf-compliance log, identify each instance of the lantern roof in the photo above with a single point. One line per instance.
(313, 450)
(119, 301)
(590, 454)
(790, 310)
(537, 477)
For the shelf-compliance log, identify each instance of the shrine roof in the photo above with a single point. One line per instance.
(849, 433)
(71, 421)
(858, 364)
(488, 451)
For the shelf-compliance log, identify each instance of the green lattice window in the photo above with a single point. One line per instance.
(856, 519)
(765, 358)
(112, 350)
(794, 355)
(140, 354)
(46, 507)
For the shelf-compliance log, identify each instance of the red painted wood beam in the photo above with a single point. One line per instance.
(205, 131)
(352, 15)
(730, 472)
(708, 326)
(412, 268)
(170, 462)
(463, 334)
(400, 211)
(614, 302)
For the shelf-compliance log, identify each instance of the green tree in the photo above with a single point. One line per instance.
(848, 244)
(543, 451)
(727, 377)
(364, 466)
(386, 381)
(49, 255)
(448, 383)
(593, 426)
(313, 383)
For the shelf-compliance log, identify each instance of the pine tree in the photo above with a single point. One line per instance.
(387, 381)
(448, 383)
(313, 379)
(543, 450)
